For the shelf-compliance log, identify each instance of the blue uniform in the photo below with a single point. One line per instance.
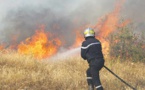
(91, 51)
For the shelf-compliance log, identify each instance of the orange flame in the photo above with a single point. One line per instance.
(79, 39)
(110, 23)
(105, 25)
(41, 45)
(1, 47)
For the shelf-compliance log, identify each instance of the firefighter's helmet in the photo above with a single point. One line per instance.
(89, 32)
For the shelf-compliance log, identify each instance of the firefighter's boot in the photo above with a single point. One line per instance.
(99, 87)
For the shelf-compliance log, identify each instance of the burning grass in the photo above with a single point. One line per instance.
(19, 72)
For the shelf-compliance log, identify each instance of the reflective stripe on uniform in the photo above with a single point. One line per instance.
(90, 45)
(89, 77)
(99, 86)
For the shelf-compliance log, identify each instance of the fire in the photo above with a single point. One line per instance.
(106, 25)
(78, 40)
(1, 47)
(110, 23)
(41, 45)
(44, 44)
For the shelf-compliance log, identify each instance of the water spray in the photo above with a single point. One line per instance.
(120, 78)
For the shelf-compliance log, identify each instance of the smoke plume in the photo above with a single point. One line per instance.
(61, 17)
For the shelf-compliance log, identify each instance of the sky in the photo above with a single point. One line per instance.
(23, 16)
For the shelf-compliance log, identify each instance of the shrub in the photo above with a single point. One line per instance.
(127, 44)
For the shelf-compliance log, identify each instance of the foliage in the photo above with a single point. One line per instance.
(127, 44)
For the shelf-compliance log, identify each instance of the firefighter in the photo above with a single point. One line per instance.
(91, 51)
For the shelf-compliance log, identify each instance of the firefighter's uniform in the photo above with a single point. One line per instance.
(91, 51)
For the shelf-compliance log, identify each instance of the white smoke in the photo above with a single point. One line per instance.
(21, 17)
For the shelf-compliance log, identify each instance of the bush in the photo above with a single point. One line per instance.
(127, 45)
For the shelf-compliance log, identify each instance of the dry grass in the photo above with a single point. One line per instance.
(19, 72)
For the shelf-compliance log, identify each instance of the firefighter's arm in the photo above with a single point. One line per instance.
(83, 52)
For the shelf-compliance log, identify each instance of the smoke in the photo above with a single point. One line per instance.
(59, 17)
(62, 17)
(134, 10)
(23, 23)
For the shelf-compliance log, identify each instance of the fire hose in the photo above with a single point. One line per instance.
(120, 78)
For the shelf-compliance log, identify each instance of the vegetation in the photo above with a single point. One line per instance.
(127, 45)
(19, 72)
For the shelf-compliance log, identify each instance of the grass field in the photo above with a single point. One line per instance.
(19, 72)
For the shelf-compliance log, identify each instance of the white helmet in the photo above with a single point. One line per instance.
(89, 32)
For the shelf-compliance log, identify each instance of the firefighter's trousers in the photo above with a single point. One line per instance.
(93, 78)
